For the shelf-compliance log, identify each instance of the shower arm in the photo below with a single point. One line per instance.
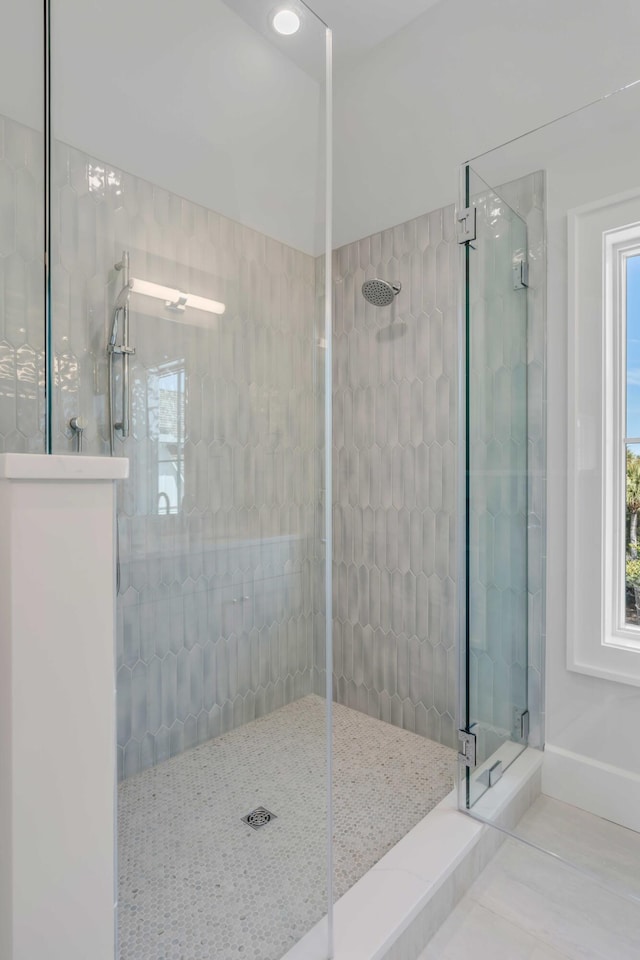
(124, 348)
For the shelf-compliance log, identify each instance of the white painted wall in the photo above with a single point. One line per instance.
(461, 79)
(191, 98)
(600, 166)
(21, 61)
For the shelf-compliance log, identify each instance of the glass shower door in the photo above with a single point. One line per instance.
(496, 651)
(188, 228)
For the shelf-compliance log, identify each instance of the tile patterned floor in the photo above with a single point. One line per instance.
(527, 905)
(195, 883)
(605, 850)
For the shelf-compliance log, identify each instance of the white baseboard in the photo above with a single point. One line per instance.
(599, 788)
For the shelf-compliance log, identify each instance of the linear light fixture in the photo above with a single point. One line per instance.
(175, 299)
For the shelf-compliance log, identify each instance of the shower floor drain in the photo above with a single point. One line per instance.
(259, 818)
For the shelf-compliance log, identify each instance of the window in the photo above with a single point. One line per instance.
(168, 385)
(621, 447)
(603, 494)
(631, 319)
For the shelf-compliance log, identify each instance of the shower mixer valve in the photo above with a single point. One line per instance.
(77, 425)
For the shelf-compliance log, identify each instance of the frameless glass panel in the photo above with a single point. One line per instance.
(22, 286)
(497, 654)
(188, 303)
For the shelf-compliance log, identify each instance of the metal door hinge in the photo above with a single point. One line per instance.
(520, 274)
(467, 754)
(466, 225)
(521, 725)
(491, 776)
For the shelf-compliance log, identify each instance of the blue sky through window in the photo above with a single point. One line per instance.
(633, 346)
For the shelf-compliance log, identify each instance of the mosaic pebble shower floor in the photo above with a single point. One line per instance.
(196, 883)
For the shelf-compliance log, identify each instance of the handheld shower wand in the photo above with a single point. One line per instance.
(119, 305)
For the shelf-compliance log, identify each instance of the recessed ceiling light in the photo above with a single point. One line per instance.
(286, 22)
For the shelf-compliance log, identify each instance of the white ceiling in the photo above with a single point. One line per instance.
(360, 25)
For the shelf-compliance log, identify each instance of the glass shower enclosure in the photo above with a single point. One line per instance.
(558, 196)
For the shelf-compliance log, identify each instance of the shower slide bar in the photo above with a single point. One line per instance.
(175, 302)
(125, 350)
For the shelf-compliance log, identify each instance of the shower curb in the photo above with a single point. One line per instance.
(393, 911)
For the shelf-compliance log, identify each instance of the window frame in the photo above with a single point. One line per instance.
(601, 237)
(170, 368)
(619, 245)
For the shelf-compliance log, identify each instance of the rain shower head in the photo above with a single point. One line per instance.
(379, 292)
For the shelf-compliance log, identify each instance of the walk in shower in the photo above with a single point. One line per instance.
(331, 554)
(259, 384)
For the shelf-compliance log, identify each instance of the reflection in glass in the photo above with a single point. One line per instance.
(167, 394)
